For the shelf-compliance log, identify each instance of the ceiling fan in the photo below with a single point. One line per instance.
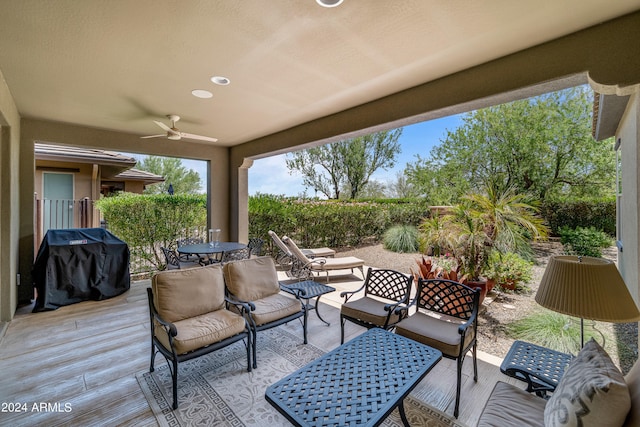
(175, 134)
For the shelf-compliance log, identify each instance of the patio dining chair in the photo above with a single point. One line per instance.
(446, 319)
(189, 241)
(255, 244)
(174, 263)
(384, 292)
(227, 256)
(303, 267)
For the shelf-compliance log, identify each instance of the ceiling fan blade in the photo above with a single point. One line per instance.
(163, 126)
(198, 137)
(153, 136)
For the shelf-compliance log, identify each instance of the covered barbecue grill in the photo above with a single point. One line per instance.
(79, 264)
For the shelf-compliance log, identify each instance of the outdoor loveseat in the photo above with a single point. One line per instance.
(592, 392)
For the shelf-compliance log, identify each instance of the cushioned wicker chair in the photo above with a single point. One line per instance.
(255, 282)
(384, 292)
(303, 266)
(189, 317)
(446, 319)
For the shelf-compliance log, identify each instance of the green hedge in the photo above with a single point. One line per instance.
(332, 223)
(147, 222)
(599, 214)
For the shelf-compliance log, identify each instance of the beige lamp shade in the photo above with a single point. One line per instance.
(586, 287)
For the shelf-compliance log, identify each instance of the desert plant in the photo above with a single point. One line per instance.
(584, 241)
(510, 270)
(481, 224)
(434, 239)
(401, 238)
(553, 330)
(442, 267)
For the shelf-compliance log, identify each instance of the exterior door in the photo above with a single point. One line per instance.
(57, 191)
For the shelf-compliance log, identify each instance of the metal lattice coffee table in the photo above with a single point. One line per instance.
(359, 383)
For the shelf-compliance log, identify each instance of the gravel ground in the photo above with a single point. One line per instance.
(501, 308)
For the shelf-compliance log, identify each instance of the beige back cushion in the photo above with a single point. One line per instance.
(181, 294)
(252, 279)
(295, 250)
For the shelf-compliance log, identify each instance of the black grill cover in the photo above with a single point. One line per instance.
(79, 264)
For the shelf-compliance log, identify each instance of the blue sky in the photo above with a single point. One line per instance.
(271, 176)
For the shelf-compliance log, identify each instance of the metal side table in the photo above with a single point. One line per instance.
(540, 367)
(306, 290)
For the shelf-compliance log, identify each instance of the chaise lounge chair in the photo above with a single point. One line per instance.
(316, 265)
(285, 257)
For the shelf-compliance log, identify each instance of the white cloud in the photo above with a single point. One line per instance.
(271, 176)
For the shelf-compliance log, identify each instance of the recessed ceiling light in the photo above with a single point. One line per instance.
(201, 93)
(329, 3)
(219, 80)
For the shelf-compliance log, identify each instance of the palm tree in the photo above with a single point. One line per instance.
(511, 220)
(481, 224)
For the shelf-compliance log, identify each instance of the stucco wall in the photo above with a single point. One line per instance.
(629, 135)
(82, 185)
(9, 201)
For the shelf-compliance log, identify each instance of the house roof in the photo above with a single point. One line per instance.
(607, 113)
(121, 65)
(134, 174)
(81, 155)
(114, 165)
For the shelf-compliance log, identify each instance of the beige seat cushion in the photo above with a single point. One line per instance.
(252, 279)
(338, 263)
(592, 392)
(274, 307)
(319, 252)
(203, 330)
(182, 294)
(437, 331)
(509, 405)
(369, 310)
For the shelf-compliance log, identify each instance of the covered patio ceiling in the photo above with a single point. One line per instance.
(121, 64)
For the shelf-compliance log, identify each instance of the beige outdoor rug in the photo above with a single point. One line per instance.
(217, 390)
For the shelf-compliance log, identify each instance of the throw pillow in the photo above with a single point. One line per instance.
(592, 392)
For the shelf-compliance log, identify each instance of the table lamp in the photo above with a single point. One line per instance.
(588, 288)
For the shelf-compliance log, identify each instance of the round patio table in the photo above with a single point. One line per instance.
(212, 251)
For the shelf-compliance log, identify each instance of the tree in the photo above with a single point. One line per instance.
(541, 146)
(183, 180)
(348, 163)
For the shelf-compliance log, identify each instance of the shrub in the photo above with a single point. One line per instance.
(599, 213)
(147, 222)
(401, 238)
(510, 270)
(553, 330)
(333, 223)
(584, 241)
